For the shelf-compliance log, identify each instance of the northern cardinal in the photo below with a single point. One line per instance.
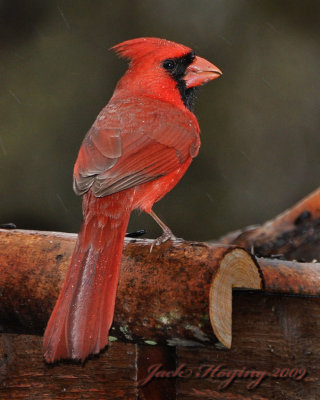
(137, 150)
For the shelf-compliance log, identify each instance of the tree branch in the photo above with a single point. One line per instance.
(293, 235)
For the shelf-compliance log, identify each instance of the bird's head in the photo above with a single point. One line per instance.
(164, 69)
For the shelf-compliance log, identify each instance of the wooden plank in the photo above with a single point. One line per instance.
(156, 389)
(24, 375)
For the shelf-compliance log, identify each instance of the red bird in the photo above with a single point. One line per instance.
(137, 150)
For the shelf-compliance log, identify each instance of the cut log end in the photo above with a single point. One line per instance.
(237, 270)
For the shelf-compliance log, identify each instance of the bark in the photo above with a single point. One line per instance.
(293, 235)
(290, 277)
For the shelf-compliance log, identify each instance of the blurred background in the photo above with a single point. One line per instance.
(260, 122)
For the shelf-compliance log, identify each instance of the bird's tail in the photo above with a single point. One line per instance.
(80, 322)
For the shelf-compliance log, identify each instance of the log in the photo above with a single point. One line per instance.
(278, 276)
(290, 277)
(162, 296)
(293, 235)
(234, 272)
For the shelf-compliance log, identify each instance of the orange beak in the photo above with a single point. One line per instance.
(200, 72)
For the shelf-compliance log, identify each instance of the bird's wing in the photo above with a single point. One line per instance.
(134, 141)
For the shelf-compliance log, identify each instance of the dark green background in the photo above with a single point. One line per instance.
(260, 121)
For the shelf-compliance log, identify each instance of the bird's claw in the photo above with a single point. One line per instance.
(167, 235)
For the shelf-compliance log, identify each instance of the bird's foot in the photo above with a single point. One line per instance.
(166, 235)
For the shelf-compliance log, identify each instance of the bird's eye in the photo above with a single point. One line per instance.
(169, 64)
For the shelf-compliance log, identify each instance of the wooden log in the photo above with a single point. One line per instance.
(290, 277)
(293, 235)
(162, 296)
(284, 277)
(237, 270)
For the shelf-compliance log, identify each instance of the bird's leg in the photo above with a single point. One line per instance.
(167, 233)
